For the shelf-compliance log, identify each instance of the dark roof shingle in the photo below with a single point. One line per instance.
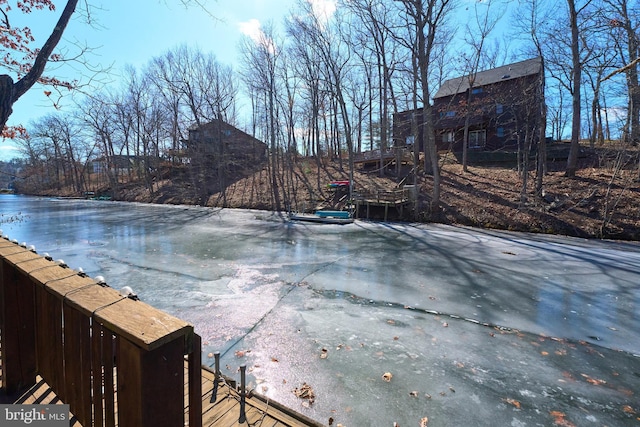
(495, 75)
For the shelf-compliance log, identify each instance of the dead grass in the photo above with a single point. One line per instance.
(595, 204)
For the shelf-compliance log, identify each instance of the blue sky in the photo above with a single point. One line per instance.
(132, 32)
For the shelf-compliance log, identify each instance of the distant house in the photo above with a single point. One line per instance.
(501, 107)
(118, 164)
(218, 140)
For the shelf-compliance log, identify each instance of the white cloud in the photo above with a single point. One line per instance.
(252, 29)
(8, 152)
(323, 9)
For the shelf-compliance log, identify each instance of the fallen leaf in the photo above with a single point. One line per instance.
(559, 419)
(305, 392)
(593, 381)
(424, 421)
(445, 324)
(513, 402)
(273, 359)
(330, 421)
(508, 253)
(387, 376)
(413, 393)
(239, 353)
(324, 354)
(396, 338)
(544, 353)
(628, 409)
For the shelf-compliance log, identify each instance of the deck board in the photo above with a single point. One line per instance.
(224, 412)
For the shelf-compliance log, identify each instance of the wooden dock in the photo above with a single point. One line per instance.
(224, 412)
(116, 361)
(399, 200)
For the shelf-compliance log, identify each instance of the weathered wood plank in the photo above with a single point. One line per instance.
(17, 321)
(34, 264)
(77, 355)
(49, 340)
(225, 405)
(61, 281)
(109, 350)
(97, 374)
(11, 249)
(91, 297)
(146, 326)
(148, 383)
(20, 257)
(195, 382)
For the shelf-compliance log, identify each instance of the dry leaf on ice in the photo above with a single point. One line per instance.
(387, 376)
(513, 402)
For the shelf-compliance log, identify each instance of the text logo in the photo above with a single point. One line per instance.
(34, 415)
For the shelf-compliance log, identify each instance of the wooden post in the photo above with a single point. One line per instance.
(149, 382)
(17, 313)
(64, 326)
(149, 362)
(195, 382)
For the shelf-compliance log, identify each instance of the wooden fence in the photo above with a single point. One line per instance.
(115, 360)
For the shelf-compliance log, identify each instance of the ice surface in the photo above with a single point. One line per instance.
(477, 327)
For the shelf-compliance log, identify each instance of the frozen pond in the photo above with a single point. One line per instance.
(477, 327)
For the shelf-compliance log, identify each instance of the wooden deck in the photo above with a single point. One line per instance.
(225, 412)
(113, 359)
(365, 201)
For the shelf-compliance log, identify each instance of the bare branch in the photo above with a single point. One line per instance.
(622, 70)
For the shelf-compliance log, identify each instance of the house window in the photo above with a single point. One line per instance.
(477, 138)
(409, 140)
(448, 136)
(500, 132)
(450, 114)
(499, 108)
(476, 90)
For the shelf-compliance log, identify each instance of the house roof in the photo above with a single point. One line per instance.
(223, 126)
(494, 75)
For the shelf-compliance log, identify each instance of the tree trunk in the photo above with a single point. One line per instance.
(10, 92)
(576, 77)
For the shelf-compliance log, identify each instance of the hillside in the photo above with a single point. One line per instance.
(597, 203)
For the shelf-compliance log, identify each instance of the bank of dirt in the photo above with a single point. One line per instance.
(601, 201)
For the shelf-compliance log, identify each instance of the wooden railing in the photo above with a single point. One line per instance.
(115, 360)
(381, 196)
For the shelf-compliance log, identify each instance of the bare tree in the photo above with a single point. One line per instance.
(261, 62)
(485, 22)
(425, 19)
(375, 35)
(575, 11)
(11, 91)
(624, 24)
